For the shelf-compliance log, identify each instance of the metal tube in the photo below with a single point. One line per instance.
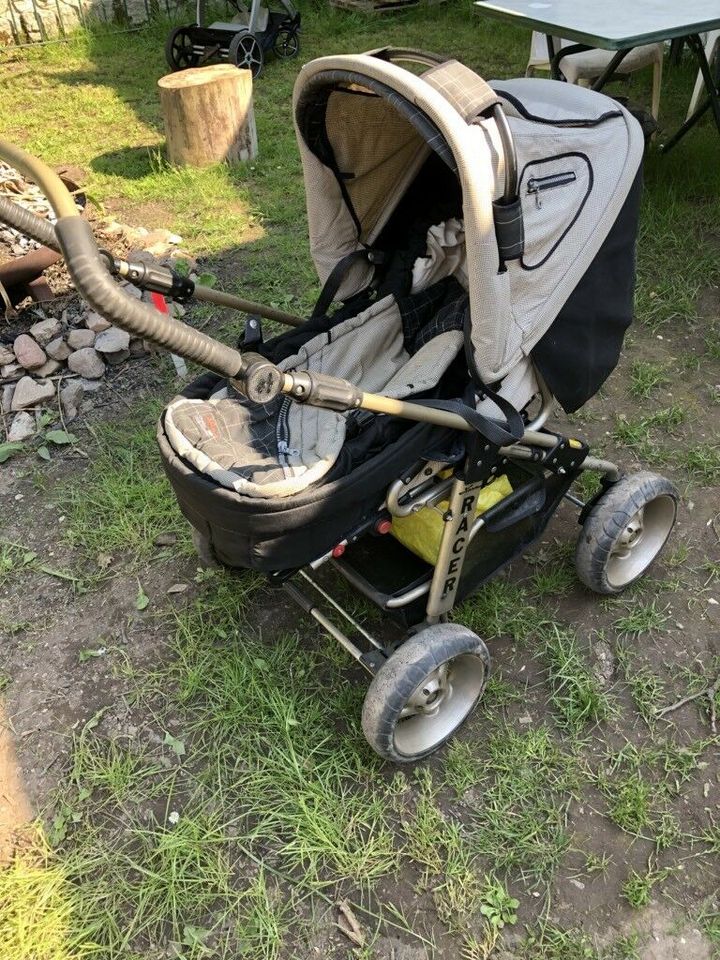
(341, 610)
(222, 299)
(302, 601)
(548, 401)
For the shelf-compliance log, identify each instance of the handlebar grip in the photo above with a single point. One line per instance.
(28, 223)
(94, 283)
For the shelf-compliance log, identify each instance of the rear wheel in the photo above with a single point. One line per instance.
(424, 692)
(286, 44)
(180, 51)
(625, 531)
(245, 52)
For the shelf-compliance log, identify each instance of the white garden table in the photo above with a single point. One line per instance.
(620, 25)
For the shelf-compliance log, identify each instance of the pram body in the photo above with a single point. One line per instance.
(532, 194)
(479, 242)
(244, 41)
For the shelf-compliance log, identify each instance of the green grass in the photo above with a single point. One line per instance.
(638, 887)
(646, 377)
(526, 783)
(123, 502)
(646, 688)
(235, 846)
(502, 608)
(642, 618)
(575, 693)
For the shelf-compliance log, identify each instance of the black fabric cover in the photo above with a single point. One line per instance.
(582, 347)
(285, 533)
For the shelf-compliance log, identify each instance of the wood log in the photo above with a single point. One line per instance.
(209, 115)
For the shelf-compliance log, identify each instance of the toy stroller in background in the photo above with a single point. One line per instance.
(480, 239)
(245, 41)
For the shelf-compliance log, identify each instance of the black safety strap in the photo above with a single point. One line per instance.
(337, 275)
(493, 431)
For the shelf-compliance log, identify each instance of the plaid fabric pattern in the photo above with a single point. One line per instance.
(427, 314)
(468, 93)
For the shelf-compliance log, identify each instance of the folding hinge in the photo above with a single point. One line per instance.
(566, 456)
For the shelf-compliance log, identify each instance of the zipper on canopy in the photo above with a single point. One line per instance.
(536, 185)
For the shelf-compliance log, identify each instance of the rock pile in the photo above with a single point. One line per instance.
(59, 359)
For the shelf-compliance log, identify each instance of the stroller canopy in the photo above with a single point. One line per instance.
(366, 127)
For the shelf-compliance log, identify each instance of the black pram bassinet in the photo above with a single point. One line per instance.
(390, 220)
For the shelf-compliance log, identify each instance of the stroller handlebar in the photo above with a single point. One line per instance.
(251, 374)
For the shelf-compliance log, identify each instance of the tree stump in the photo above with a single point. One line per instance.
(208, 114)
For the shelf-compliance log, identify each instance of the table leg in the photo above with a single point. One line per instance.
(552, 54)
(610, 69)
(557, 56)
(713, 98)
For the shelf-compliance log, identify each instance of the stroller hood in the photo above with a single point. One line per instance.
(366, 126)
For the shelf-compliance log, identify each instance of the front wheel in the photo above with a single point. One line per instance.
(424, 692)
(245, 52)
(625, 531)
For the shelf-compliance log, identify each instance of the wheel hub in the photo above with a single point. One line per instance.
(430, 695)
(631, 536)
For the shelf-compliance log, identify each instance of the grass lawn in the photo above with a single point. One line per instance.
(193, 749)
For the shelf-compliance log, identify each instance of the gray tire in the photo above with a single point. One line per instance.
(204, 550)
(625, 531)
(424, 692)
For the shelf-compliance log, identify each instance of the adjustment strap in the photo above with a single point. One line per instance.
(463, 89)
(337, 275)
(492, 430)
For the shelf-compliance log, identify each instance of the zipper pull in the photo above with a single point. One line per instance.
(532, 187)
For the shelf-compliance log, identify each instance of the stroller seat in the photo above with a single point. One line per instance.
(281, 448)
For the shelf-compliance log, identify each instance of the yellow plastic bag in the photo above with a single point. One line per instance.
(421, 532)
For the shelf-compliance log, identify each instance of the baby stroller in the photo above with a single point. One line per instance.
(245, 41)
(478, 244)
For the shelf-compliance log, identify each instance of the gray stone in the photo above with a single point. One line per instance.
(70, 397)
(45, 330)
(28, 353)
(6, 356)
(137, 347)
(132, 291)
(22, 428)
(48, 368)
(87, 363)
(90, 386)
(10, 370)
(57, 349)
(7, 395)
(96, 323)
(112, 340)
(30, 393)
(77, 339)
(120, 356)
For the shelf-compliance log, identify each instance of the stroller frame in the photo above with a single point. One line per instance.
(424, 687)
(562, 456)
(244, 45)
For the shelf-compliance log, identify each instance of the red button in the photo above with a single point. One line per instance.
(383, 526)
(339, 550)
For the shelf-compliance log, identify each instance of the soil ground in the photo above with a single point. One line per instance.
(193, 749)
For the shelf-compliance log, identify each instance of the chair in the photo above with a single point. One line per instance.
(712, 47)
(590, 64)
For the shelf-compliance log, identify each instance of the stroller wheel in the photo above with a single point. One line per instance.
(180, 50)
(245, 52)
(625, 531)
(286, 44)
(424, 692)
(204, 550)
